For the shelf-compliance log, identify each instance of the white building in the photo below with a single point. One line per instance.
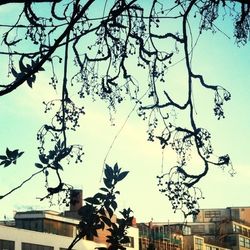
(12, 238)
(48, 230)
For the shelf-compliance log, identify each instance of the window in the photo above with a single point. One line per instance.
(7, 245)
(198, 244)
(212, 213)
(130, 243)
(244, 231)
(198, 229)
(29, 246)
(242, 242)
(211, 229)
(238, 229)
(247, 243)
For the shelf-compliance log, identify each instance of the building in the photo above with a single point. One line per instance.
(195, 242)
(161, 236)
(238, 214)
(228, 227)
(50, 230)
(12, 238)
(173, 236)
(46, 221)
(212, 229)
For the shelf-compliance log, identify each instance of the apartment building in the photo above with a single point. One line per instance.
(195, 242)
(161, 236)
(228, 227)
(238, 214)
(173, 236)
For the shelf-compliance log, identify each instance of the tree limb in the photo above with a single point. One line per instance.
(19, 186)
(45, 58)
(28, 1)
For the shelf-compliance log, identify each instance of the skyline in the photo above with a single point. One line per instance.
(219, 59)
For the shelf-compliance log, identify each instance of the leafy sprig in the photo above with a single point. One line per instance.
(10, 157)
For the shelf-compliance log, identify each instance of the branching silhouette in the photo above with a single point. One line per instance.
(95, 52)
(98, 213)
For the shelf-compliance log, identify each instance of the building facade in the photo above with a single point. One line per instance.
(12, 238)
(49, 230)
(227, 227)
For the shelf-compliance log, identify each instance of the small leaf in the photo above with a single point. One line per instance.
(58, 165)
(116, 168)
(100, 196)
(106, 220)
(108, 172)
(20, 154)
(52, 154)
(38, 165)
(110, 211)
(122, 175)
(114, 205)
(31, 80)
(3, 157)
(92, 200)
(104, 190)
(21, 66)
(107, 183)
(8, 153)
(125, 240)
(14, 154)
(43, 159)
(7, 163)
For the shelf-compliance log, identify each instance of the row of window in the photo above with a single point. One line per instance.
(241, 230)
(10, 245)
(49, 226)
(198, 244)
(244, 242)
(7, 244)
(211, 248)
(212, 213)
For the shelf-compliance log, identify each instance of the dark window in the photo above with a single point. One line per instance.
(29, 246)
(212, 214)
(198, 229)
(130, 243)
(7, 245)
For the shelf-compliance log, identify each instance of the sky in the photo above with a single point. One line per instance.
(218, 58)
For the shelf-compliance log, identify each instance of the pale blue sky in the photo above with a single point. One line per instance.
(217, 58)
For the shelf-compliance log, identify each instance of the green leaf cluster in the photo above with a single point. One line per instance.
(99, 211)
(10, 157)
